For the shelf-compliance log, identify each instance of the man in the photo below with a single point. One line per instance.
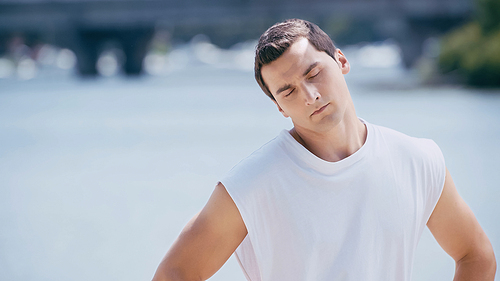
(334, 198)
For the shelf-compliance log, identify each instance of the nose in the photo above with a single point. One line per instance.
(311, 94)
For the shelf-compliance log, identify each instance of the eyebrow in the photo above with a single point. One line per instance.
(284, 88)
(288, 86)
(310, 68)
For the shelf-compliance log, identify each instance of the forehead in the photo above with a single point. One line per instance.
(291, 65)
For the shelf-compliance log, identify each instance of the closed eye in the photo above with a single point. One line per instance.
(314, 75)
(289, 93)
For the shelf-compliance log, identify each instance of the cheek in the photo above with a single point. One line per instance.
(292, 108)
(333, 89)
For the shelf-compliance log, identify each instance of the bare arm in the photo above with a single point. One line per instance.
(458, 232)
(206, 242)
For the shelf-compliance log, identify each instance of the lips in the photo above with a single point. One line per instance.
(320, 109)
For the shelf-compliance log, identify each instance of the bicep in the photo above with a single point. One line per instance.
(209, 239)
(454, 225)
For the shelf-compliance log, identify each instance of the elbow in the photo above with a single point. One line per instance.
(482, 259)
(490, 266)
(489, 259)
(492, 262)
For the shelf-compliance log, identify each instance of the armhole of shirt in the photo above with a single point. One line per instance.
(245, 254)
(442, 179)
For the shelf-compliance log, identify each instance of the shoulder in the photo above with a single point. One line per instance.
(419, 157)
(253, 175)
(258, 165)
(408, 151)
(400, 142)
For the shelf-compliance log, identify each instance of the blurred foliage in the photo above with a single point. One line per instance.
(488, 15)
(474, 49)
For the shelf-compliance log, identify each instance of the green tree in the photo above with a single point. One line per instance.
(473, 50)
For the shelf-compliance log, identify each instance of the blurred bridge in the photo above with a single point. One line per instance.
(84, 25)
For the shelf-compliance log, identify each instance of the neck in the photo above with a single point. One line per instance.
(333, 145)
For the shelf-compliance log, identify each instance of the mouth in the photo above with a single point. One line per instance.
(321, 109)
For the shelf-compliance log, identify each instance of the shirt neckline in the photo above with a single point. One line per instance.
(305, 157)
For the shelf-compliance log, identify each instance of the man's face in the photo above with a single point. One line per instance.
(309, 86)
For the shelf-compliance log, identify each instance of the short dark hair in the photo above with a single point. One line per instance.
(279, 37)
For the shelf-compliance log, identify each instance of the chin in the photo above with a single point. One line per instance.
(331, 120)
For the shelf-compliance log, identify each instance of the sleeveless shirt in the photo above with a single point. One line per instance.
(356, 219)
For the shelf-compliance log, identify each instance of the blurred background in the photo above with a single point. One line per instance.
(118, 117)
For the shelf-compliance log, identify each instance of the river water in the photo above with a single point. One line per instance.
(98, 177)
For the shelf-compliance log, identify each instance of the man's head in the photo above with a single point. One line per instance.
(305, 80)
(279, 37)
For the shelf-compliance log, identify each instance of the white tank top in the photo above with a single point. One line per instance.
(356, 219)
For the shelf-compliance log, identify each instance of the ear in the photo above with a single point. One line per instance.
(342, 61)
(281, 109)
